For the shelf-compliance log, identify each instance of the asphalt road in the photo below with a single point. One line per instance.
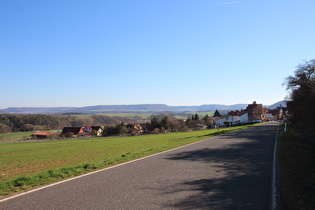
(231, 171)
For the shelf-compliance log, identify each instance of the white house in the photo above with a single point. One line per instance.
(233, 117)
(244, 118)
(220, 122)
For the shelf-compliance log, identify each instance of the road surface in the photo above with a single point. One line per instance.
(231, 171)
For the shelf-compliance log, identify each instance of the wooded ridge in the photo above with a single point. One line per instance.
(138, 108)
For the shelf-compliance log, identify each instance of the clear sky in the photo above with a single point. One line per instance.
(174, 52)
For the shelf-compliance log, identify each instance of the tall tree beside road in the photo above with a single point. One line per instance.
(302, 97)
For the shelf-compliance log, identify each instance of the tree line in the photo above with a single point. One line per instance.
(162, 123)
(40, 122)
(301, 100)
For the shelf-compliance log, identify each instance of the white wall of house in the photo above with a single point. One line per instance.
(99, 132)
(220, 122)
(233, 118)
(244, 118)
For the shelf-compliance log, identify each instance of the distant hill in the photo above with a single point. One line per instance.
(139, 108)
(36, 110)
(278, 104)
(124, 108)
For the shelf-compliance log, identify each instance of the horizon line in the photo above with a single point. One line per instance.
(127, 105)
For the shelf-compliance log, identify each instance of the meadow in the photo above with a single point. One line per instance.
(27, 165)
(16, 136)
(20, 136)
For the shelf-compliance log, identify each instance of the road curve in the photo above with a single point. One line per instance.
(231, 171)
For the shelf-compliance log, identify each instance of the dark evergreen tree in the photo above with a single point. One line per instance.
(155, 123)
(166, 123)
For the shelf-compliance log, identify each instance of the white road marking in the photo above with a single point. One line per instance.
(274, 174)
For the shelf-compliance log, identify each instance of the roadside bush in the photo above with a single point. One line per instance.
(297, 170)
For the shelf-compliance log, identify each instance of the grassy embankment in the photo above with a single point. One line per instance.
(297, 171)
(28, 165)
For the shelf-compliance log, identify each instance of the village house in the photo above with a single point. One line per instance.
(278, 112)
(268, 117)
(93, 130)
(244, 117)
(72, 132)
(233, 117)
(219, 120)
(43, 135)
(136, 127)
(145, 127)
(254, 111)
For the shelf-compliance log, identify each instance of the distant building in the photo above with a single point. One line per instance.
(136, 127)
(72, 132)
(95, 130)
(43, 135)
(254, 111)
(233, 116)
(217, 113)
(278, 112)
(244, 117)
(268, 117)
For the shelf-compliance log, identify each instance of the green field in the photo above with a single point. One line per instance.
(26, 165)
(143, 116)
(19, 136)
(147, 116)
(201, 113)
(8, 137)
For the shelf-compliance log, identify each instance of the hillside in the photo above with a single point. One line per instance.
(278, 104)
(139, 108)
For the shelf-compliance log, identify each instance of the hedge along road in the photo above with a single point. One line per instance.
(231, 171)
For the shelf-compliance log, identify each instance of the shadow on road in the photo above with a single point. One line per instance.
(244, 165)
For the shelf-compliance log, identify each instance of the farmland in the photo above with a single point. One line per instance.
(16, 136)
(148, 116)
(20, 160)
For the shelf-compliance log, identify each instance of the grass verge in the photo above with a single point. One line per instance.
(296, 171)
(49, 157)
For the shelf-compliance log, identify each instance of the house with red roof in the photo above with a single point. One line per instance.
(43, 135)
(95, 130)
(72, 132)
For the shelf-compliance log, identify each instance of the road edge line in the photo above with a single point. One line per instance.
(274, 174)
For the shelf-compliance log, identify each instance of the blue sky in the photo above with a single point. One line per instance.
(174, 52)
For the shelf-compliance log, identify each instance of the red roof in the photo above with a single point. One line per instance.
(236, 113)
(42, 133)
